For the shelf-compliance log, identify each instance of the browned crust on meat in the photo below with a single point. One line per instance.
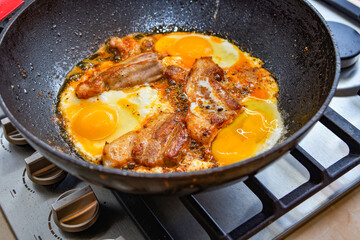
(90, 88)
(118, 153)
(146, 148)
(175, 73)
(216, 107)
(147, 44)
(159, 143)
(137, 70)
(224, 96)
(126, 46)
(134, 74)
(177, 143)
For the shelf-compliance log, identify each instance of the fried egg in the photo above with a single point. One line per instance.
(184, 48)
(92, 122)
(257, 129)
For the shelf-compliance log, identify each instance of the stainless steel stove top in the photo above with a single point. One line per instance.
(27, 206)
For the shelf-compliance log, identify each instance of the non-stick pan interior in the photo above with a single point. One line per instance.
(49, 37)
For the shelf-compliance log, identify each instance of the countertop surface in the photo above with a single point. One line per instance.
(339, 221)
(5, 231)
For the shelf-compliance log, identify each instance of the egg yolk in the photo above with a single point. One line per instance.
(193, 47)
(95, 122)
(242, 138)
(260, 93)
(165, 45)
(188, 48)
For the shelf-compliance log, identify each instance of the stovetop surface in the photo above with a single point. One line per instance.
(27, 206)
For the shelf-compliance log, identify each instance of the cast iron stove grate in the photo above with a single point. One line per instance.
(273, 207)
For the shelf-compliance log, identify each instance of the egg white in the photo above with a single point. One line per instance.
(243, 141)
(269, 106)
(133, 107)
(225, 54)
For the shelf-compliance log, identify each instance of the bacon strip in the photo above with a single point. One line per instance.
(136, 70)
(211, 106)
(158, 143)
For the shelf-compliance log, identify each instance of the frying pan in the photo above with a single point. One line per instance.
(47, 38)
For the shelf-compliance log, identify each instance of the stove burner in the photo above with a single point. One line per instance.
(349, 8)
(348, 41)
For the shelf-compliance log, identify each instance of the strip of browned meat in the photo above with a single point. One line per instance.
(211, 106)
(136, 70)
(158, 143)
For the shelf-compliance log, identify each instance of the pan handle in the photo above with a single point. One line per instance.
(8, 7)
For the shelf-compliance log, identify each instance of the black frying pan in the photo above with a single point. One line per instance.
(46, 38)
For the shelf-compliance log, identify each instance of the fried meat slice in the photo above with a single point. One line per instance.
(126, 46)
(211, 106)
(136, 70)
(158, 143)
(118, 153)
(147, 44)
(175, 73)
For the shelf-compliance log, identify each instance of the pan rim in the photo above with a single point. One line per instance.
(286, 145)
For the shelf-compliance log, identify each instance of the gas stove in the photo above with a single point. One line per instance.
(323, 167)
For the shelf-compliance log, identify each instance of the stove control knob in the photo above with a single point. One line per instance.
(42, 171)
(76, 210)
(11, 134)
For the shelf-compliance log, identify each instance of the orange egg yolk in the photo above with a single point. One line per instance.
(193, 47)
(188, 48)
(242, 138)
(260, 93)
(95, 122)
